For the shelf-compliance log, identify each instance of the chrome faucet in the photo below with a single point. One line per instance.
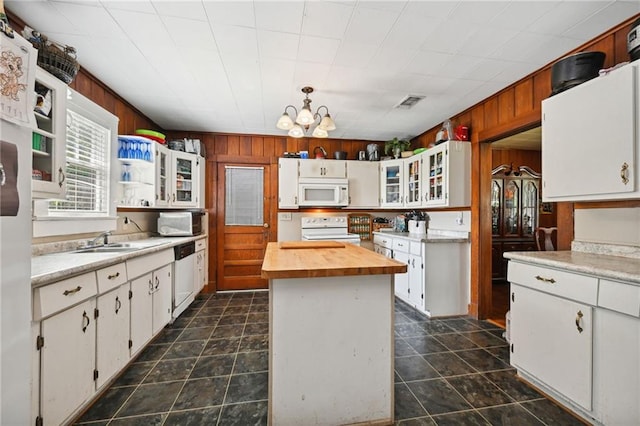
(104, 236)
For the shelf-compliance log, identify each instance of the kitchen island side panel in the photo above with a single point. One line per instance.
(331, 350)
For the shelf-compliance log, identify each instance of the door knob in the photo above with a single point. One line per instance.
(266, 225)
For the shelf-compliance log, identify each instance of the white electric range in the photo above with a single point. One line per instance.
(323, 228)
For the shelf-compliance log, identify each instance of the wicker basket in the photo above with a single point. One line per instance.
(57, 59)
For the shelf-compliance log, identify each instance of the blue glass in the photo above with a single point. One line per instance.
(130, 153)
(122, 152)
(138, 150)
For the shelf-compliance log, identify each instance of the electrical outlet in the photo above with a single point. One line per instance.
(284, 216)
(459, 220)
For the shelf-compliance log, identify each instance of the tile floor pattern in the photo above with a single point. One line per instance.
(210, 367)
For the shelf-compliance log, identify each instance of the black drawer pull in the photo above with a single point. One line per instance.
(546, 280)
(72, 291)
(113, 276)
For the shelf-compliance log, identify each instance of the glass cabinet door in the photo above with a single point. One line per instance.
(529, 207)
(183, 179)
(437, 175)
(496, 207)
(413, 187)
(392, 192)
(511, 208)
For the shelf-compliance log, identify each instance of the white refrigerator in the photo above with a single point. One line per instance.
(17, 79)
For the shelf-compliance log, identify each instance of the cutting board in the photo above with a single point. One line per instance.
(310, 244)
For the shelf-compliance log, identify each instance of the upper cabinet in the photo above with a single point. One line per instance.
(154, 176)
(323, 168)
(447, 175)
(362, 194)
(49, 138)
(590, 139)
(288, 183)
(413, 182)
(392, 183)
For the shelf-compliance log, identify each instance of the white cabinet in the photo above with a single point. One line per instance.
(590, 139)
(201, 265)
(414, 180)
(447, 175)
(165, 178)
(66, 313)
(151, 291)
(401, 281)
(49, 138)
(551, 340)
(392, 183)
(313, 168)
(112, 333)
(288, 183)
(363, 190)
(416, 281)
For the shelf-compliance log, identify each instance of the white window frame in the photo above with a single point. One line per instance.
(56, 223)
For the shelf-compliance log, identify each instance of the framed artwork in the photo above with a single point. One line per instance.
(546, 208)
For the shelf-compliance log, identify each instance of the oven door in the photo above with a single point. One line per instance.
(323, 193)
(342, 238)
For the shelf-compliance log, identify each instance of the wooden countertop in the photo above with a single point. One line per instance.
(308, 262)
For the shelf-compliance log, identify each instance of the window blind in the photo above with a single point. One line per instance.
(244, 196)
(87, 167)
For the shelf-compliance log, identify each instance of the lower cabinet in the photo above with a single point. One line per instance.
(112, 333)
(578, 338)
(401, 281)
(67, 362)
(161, 298)
(201, 265)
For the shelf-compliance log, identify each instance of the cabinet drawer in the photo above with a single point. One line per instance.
(201, 244)
(141, 265)
(111, 277)
(415, 247)
(52, 298)
(619, 297)
(400, 244)
(384, 241)
(573, 286)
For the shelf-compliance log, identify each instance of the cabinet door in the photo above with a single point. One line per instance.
(163, 170)
(141, 307)
(48, 141)
(161, 298)
(200, 163)
(589, 140)
(183, 179)
(551, 339)
(402, 280)
(323, 168)
(288, 183)
(201, 273)
(361, 174)
(416, 281)
(67, 362)
(413, 182)
(392, 183)
(112, 333)
(436, 176)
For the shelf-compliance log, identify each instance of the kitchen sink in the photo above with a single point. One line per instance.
(119, 247)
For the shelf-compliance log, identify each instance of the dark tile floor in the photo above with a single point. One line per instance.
(210, 367)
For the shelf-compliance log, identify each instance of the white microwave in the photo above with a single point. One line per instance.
(321, 192)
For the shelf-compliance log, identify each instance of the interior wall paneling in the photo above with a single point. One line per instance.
(523, 98)
(506, 106)
(564, 218)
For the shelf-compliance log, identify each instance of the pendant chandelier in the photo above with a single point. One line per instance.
(305, 119)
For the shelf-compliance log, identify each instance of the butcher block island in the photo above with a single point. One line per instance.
(331, 345)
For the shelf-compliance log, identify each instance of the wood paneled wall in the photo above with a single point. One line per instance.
(510, 111)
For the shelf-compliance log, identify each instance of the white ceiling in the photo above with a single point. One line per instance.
(232, 66)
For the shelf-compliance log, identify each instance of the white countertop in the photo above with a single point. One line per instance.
(432, 236)
(53, 267)
(604, 266)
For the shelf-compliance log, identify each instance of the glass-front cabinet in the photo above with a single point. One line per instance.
(392, 178)
(183, 179)
(48, 142)
(413, 188)
(162, 176)
(436, 168)
(515, 201)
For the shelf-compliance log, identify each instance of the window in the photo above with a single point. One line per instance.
(91, 131)
(244, 196)
(87, 168)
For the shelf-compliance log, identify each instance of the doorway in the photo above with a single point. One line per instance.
(243, 224)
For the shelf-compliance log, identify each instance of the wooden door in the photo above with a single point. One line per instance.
(243, 223)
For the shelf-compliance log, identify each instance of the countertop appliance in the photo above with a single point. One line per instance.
(16, 121)
(183, 277)
(323, 228)
(323, 192)
(180, 224)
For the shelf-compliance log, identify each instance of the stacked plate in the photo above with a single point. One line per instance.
(153, 135)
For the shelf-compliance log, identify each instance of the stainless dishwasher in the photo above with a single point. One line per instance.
(183, 277)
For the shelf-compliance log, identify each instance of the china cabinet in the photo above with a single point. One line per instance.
(590, 137)
(48, 142)
(515, 196)
(392, 183)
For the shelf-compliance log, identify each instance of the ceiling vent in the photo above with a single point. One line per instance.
(409, 101)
